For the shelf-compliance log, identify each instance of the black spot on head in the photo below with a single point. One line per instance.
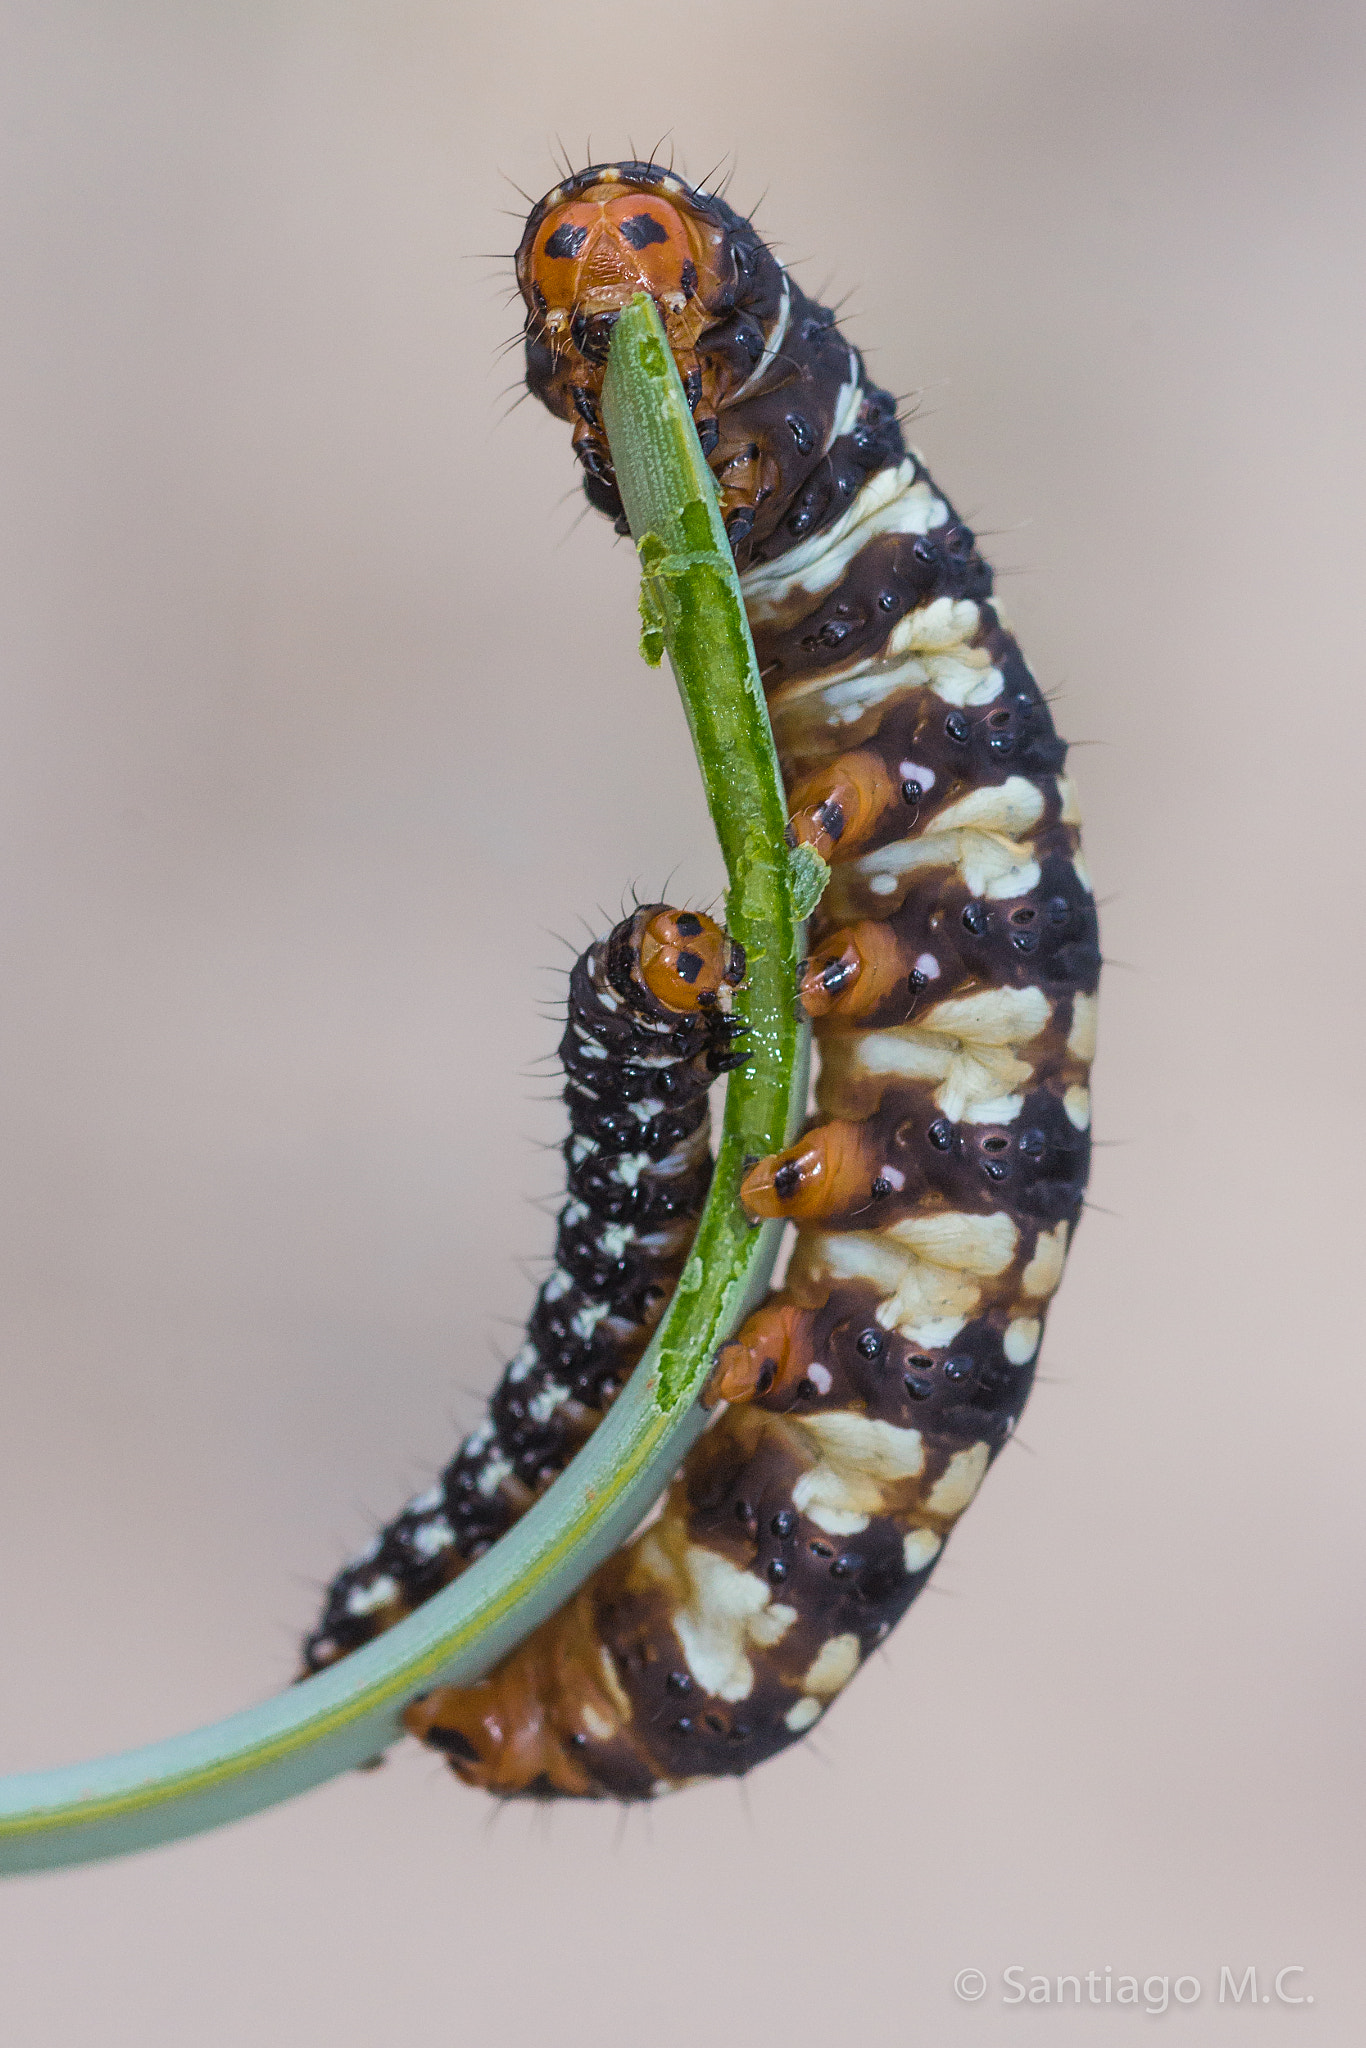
(640, 230)
(787, 1180)
(688, 924)
(567, 240)
(689, 967)
(452, 1743)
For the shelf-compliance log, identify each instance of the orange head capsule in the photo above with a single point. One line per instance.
(686, 959)
(600, 238)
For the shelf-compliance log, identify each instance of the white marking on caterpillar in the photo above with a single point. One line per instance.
(959, 1481)
(1081, 1039)
(433, 1537)
(629, 1167)
(1022, 1339)
(524, 1363)
(585, 1320)
(834, 1667)
(848, 405)
(379, 1592)
(494, 1473)
(722, 1613)
(920, 1547)
(770, 349)
(890, 502)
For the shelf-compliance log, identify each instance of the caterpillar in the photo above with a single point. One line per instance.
(951, 983)
(647, 1034)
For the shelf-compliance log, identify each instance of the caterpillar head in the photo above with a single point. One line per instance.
(686, 960)
(597, 240)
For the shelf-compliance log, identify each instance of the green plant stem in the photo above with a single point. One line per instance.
(342, 1716)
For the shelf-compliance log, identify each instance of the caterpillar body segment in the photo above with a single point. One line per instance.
(951, 983)
(647, 1034)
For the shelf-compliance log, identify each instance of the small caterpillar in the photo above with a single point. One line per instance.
(646, 1036)
(952, 986)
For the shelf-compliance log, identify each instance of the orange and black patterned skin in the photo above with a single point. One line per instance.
(951, 982)
(646, 1036)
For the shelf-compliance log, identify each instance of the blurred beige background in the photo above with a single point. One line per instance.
(321, 715)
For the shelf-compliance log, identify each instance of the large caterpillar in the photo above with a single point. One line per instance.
(952, 985)
(646, 1036)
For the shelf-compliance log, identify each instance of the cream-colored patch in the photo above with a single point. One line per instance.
(1021, 1339)
(1070, 812)
(800, 1717)
(597, 1725)
(984, 1245)
(848, 405)
(966, 1044)
(770, 348)
(833, 1667)
(1041, 1276)
(890, 502)
(930, 648)
(1081, 1039)
(856, 1461)
(725, 1613)
(1077, 1103)
(947, 1258)
(612, 1685)
(1003, 1110)
(1083, 872)
(999, 1016)
(851, 1255)
(1011, 807)
(807, 1497)
(959, 1481)
(990, 864)
(920, 1547)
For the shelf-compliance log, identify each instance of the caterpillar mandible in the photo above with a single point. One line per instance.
(647, 1034)
(951, 983)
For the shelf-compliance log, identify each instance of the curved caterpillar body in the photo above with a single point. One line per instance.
(645, 1038)
(952, 982)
